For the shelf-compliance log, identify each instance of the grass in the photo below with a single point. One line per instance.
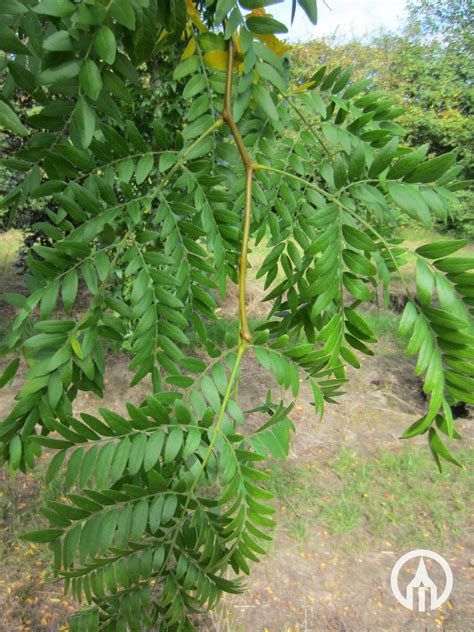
(415, 236)
(383, 323)
(401, 498)
(10, 243)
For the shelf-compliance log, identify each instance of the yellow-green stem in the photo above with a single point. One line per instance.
(220, 417)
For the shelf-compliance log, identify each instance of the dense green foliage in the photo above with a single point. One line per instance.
(450, 21)
(427, 70)
(162, 148)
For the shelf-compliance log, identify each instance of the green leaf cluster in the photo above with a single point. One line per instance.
(167, 507)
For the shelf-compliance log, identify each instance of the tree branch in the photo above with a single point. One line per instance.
(227, 117)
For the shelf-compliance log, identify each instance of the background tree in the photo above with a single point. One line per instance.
(428, 71)
(449, 21)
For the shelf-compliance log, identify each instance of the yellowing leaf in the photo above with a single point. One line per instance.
(274, 44)
(259, 11)
(195, 16)
(163, 34)
(304, 86)
(238, 45)
(190, 49)
(216, 60)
